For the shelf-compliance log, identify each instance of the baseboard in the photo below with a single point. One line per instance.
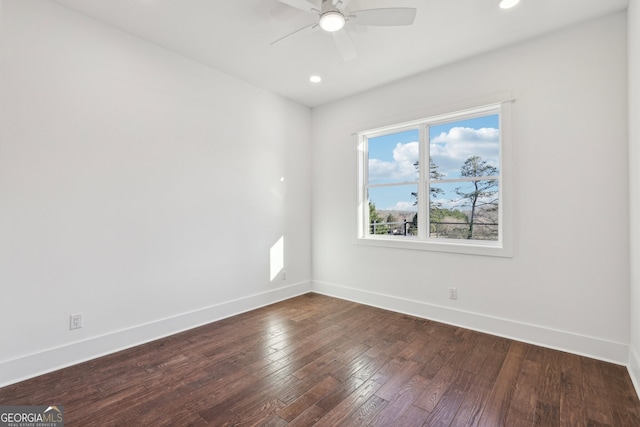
(634, 369)
(49, 360)
(596, 348)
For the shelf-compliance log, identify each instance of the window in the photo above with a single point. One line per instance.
(437, 183)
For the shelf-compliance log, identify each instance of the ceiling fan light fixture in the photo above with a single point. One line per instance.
(332, 21)
(508, 4)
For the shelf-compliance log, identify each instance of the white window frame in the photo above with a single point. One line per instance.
(503, 247)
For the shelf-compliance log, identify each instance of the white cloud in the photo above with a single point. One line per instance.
(459, 134)
(450, 150)
(404, 206)
(400, 169)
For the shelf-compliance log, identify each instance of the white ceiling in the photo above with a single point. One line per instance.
(234, 36)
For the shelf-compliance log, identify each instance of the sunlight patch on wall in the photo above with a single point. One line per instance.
(276, 257)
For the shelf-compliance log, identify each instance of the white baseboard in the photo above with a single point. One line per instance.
(634, 368)
(596, 348)
(49, 360)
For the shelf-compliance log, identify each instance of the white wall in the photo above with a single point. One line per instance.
(634, 179)
(567, 285)
(136, 187)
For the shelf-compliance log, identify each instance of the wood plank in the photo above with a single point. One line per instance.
(523, 405)
(546, 414)
(572, 411)
(347, 387)
(499, 401)
(401, 402)
(308, 399)
(492, 364)
(437, 387)
(353, 367)
(477, 356)
(472, 406)
(442, 414)
(344, 354)
(368, 410)
(625, 410)
(593, 385)
(398, 380)
(349, 404)
(413, 416)
(309, 417)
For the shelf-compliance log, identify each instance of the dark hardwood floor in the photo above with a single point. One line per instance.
(315, 360)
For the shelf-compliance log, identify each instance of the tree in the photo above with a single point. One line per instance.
(481, 194)
(441, 214)
(433, 193)
(433, 174)
(450, 223)
(377, 223)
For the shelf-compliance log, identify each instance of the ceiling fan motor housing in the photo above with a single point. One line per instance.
(328, 6)
(331, 18)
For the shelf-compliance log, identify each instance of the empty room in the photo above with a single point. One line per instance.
(320, 212)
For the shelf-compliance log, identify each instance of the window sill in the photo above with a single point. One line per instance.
(496, 249)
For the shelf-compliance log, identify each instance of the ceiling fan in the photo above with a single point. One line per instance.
(333, 16)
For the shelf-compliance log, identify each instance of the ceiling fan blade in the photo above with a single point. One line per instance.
(384, 17)
(304, 5)
(296, 35)
(345, 45)
(341, 4)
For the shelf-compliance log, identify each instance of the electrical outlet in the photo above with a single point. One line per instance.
(453, 293)
(75, 321)
(284, 274)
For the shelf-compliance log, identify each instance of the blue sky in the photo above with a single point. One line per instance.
(392, 158)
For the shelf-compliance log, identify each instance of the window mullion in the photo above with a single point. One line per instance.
(363, 203)
(423, 187)
(467, 179)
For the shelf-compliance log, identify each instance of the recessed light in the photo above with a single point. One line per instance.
(315, 79)
(508, 4)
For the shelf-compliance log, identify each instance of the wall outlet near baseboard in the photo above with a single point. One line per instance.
(453, 293)
(75, 321)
